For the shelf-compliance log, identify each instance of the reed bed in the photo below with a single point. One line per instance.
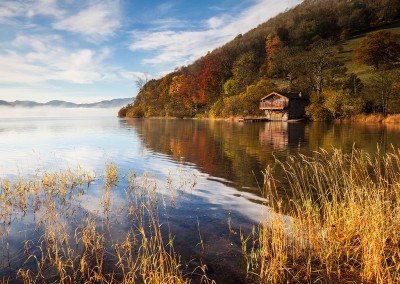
(375, 118)
(393, 118)
(344, 224)
(69, 244)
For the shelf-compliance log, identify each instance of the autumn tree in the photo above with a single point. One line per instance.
(177, 90)
(341, 103)
(208, 80)
(378, 49)
(273, 46)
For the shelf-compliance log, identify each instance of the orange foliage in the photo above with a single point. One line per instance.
(273, 46)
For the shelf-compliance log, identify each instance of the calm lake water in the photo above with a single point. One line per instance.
(226, 160)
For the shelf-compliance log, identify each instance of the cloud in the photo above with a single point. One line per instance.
(37, 59)
(168, 23)
(96, 22)
(215, 22)
(182, 47)
(45, 7)
(10, 9)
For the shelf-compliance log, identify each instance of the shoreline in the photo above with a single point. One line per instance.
(360, 118)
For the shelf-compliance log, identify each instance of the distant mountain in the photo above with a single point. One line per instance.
(4, 103)
(57, 103)
(110, 103)
(63, 104)
(24, 104)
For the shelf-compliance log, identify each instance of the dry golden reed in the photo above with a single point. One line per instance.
(344, 224)
(78, 246)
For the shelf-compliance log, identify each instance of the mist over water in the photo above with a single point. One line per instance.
(46, 111)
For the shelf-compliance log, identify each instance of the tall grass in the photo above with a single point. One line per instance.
(68, 244)
(344, 223)
(375, 118)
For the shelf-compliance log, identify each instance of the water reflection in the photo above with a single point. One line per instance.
(278, 135)
(237, 153)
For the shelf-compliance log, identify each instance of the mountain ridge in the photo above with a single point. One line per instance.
(64, 104)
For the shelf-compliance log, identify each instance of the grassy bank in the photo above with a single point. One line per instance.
(344, 225)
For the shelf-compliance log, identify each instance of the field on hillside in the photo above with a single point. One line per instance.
(348, 47)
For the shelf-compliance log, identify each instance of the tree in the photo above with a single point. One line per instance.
(317, 61)
(354, 84)
(289, 65)
(141, 80)
(341, 104)
(394, 105)
(316, 110)
(273, 46)
(378, 49)
(209, 80)
(383, 83)
(244, 71)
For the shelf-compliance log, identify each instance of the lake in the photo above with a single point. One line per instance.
(215, 167)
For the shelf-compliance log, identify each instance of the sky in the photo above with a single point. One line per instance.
(90, 50)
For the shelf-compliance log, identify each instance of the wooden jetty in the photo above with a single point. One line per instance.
(264, 119)
(254, 119)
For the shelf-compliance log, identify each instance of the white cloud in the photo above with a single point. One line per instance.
(13, 8)
(182, 47)
(44, 7)
(169, 23)
(96, 22)
(9, 9)
(47, 59)
(215, 22)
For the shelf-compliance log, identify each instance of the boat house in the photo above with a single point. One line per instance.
(284, 106)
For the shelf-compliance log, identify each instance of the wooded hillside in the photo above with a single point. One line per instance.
(315, 48)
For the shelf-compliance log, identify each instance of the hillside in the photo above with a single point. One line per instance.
(350, 45)
(309, 48)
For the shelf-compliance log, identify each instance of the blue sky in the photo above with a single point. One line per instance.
(86, 51)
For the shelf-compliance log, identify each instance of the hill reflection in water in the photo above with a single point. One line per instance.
(238, 153)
